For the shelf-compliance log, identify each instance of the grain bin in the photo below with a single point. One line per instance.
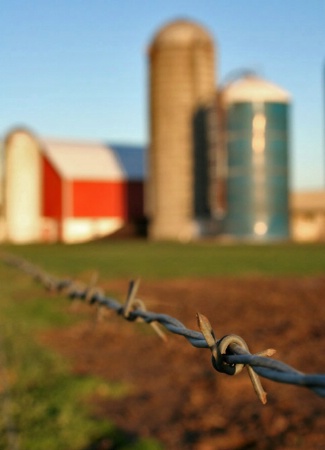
(22, 187)
(182, 86)
(256, 113)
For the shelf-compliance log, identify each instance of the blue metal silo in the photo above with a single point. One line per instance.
(256, 140)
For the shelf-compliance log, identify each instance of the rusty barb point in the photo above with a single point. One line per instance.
(133, 303)
(231, 345)
(92, 289)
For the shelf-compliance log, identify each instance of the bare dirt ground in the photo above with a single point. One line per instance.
(175, 394)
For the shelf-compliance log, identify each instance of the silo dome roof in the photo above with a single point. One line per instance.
(181, 33)
(252, 88)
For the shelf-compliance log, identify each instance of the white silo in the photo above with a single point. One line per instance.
(182, 88)
(22, 187)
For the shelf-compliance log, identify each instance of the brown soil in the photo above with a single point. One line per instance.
(174, 393)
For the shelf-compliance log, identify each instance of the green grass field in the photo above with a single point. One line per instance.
(43, 404)
(132, 258)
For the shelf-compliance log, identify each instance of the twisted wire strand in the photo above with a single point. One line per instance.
(235, 355)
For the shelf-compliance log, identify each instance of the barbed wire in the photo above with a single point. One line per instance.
(230, 354)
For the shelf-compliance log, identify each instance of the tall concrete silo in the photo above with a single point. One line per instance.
(256, 120)
(22, 187)
(182, 87)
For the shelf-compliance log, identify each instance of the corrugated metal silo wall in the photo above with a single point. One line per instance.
(181, 83)
(257, 188)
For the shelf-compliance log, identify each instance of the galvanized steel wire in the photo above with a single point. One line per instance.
(230, 354)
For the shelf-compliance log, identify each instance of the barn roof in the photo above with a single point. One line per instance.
(132, 159)
(94, 161)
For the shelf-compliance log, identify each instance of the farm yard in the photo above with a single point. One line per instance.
(74, 380)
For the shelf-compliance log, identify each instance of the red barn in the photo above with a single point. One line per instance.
(88, 190)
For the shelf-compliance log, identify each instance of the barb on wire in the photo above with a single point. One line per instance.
(219, 349)
(230, 354)
(133, 303)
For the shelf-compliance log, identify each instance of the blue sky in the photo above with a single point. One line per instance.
(78, 69)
